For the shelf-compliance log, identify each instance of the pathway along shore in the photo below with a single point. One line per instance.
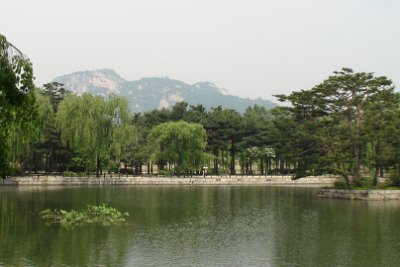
(316, 181)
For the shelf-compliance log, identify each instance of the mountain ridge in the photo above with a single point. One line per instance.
(150, 93)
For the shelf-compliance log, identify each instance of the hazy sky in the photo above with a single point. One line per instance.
(253, 48)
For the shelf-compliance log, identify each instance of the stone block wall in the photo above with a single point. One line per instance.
(216, 180)
(367, 194)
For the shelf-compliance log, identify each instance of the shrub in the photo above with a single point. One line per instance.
(341, 185)
(15, 169)
(395, 177)
(69, 174)
(361, 182)
(165, 172)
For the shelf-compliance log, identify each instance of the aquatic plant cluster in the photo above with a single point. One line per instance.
(103, 214)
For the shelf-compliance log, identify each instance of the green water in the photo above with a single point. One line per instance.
(200, 226)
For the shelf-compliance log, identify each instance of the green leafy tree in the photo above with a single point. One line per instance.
(50, 147)
(126, 147)
(257, 131)
(138, 153)
(331, 120)
(45, 121)
(224, 132)
(181, 144)
(88, 124)
(16, 99)
(381, 121)
(294, 140)
(178, 111)
(196, 114)
(215, 126)
(233, 131)
(56, 92)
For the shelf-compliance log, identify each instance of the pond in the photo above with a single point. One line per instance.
(199, 226)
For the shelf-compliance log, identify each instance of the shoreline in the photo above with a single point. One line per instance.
(314, 181)
(360, 194)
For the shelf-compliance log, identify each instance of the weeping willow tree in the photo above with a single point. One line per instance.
(180, 144)
(88, 124)
(17, 110)
(125, 144)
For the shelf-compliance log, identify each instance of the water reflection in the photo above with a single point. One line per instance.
(206, 226)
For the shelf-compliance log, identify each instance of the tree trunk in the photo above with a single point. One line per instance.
(35, 162)
(357, 161)
(377, 161)
(233, 163)
(45, 163)
(223, 160)
(98, 167)
(356, 144)
(215, 169)
(51, 159)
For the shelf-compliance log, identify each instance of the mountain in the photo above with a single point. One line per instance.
(155, 93)
(103, 82)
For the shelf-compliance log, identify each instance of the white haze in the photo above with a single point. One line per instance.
(253, 48)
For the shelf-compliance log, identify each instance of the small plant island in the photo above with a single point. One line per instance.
(100, 214)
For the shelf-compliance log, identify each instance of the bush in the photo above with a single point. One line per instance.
(341, 185)
(15, 169)
(361, 182)
(126, 171)
(69, 174)
(395, 177)
(165, 172)
(383, 185)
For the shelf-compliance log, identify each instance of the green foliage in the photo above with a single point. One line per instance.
(224, 131)
(180, 143)
(16, 101)
(361, 182)
(56, 92)
(91, 125)
(69, 174)
(166, 172)
(126, 146)
(347, 124)
(395, 176)
(333, 124)
(341, 185)
(103, 214)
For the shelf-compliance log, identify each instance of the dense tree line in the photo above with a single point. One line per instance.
(90, 133)
(347, 125)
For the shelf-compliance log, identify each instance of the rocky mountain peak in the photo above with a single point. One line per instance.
(155, 92)
(84, 81)
(213, 86)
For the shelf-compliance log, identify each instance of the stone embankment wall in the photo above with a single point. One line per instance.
(374, 194)
(216, 180)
